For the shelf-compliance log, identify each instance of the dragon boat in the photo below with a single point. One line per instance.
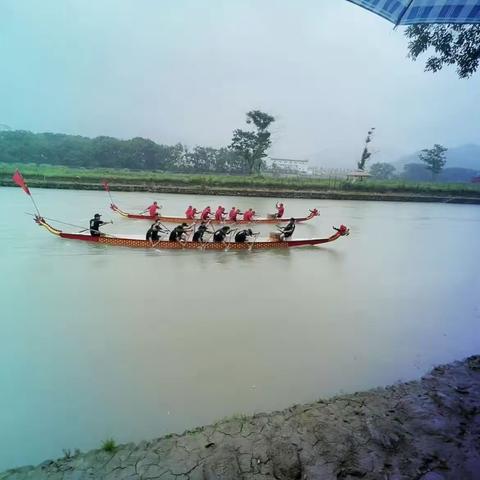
(139, 242)
(164, 218)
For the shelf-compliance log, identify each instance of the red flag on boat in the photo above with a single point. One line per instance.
(105, 185)
(18, 179)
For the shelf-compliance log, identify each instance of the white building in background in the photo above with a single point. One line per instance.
(289, 165)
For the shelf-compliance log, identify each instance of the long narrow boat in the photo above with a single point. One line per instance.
(163, 218)
(138, 242)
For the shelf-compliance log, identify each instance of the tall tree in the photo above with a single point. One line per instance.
(253, 145)
(382, 171)
(366, 154)
(434, 158)
(457, 45)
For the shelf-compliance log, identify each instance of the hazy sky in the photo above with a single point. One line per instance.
(188, 70)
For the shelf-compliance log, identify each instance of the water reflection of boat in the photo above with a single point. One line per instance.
(165, 218)
(139, 242)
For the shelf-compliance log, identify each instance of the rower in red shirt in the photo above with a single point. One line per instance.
(153, 209)
(219, 214)
(205, 214)
(280, 210)
(232, 215)
(248, 215)
(190, 212)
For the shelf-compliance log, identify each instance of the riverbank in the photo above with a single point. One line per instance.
(47, 176)
(255, 192)
(424, 430)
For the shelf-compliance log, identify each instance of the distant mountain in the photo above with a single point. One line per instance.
(417, 172)
(465, 156)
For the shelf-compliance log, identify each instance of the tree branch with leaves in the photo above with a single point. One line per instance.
(452, 44)
(434, 158)
(253, 145)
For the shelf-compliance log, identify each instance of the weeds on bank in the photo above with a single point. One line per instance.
(195, 430)
(109, 445)
(52, 173)
(67, 453)
(236, 417)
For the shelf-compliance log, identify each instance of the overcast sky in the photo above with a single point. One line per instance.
(188, 70)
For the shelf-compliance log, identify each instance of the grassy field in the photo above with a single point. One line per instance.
(39, 174)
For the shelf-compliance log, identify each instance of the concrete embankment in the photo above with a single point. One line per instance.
(421, 430)
(256, 192)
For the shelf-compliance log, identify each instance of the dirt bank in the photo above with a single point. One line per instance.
(255, 192)
(420, 430)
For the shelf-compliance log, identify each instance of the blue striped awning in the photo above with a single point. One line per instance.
(408, 12)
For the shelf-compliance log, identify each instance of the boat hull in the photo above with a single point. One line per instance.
(130, 242)
(167, 245)
(167, 219)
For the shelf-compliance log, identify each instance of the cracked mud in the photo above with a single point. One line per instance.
(421, 430)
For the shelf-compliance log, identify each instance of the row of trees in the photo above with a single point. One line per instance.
(107, 152)
(245, 154)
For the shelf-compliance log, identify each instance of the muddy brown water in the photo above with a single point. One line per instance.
(101, 342)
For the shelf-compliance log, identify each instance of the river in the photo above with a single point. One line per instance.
(101, 342)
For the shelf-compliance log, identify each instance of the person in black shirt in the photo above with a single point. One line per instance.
(287, 230)
(95, 224)
(242, 235)
(178, 234)
(221, 234)
(153, 233)
(198, 235)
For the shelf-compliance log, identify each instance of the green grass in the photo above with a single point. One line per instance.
(236, 417)
(39, 174)
(109, 445)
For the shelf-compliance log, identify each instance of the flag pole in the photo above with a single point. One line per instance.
(20, 181)
(35, 205)
(106, 186)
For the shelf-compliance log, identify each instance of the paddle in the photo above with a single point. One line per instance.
(230, 233)
(162, 225)
(93, 230)
(253, 243)
(203, 243)
(146, 210)
(191, 230)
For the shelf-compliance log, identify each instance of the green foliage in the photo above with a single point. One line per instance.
(252, 146)
(366, 154)
(109, 445)
(382, 171)
(457, 45)
(434, 158)
(236, 417)
(106, 152)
